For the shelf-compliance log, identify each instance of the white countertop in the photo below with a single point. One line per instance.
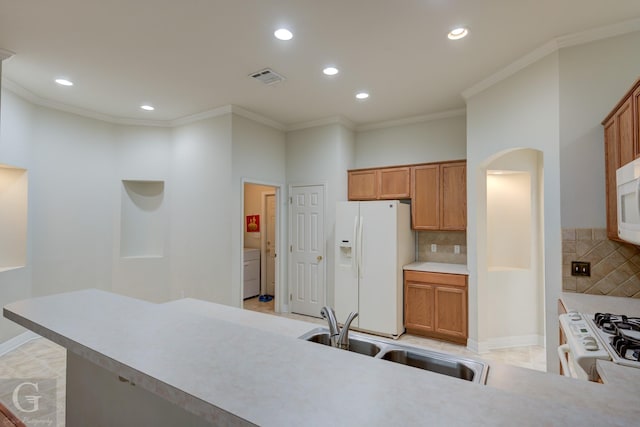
(438, 267)
(586, 303)
(232, 366)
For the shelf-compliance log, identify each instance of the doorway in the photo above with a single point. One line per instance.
(260, 247)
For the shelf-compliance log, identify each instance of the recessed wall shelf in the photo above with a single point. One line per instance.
(13, 217)
(509, 220)
(143, 222)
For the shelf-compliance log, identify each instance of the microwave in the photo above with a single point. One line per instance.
(628, 195)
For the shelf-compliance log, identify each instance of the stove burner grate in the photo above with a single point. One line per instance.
(626, 333)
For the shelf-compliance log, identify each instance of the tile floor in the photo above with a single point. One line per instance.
(41, 358)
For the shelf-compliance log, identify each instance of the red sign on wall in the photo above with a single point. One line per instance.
(253, 223)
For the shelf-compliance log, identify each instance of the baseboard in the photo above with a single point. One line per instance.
(477, 347)
(515, 341)
(15, 342)
(504, 342)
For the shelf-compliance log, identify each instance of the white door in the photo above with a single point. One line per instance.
(271, 244)
(307, 242)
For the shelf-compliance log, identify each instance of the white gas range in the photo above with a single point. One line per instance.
(602, 336)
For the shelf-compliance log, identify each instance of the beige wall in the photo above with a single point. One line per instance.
(593, 78)
(429, 141)
(518, 112)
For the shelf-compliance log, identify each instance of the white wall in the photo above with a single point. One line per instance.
(142, 154)
(201, 206)
(519, 112)
(430, 141)
(258, 155)
(15, 150)
(593, 78)
(322, 155)
(71, 196)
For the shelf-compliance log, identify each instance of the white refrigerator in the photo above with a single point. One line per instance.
(374, 241)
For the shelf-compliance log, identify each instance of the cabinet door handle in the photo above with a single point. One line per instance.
(319, 258)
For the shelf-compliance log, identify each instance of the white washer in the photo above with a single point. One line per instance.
(251, 272)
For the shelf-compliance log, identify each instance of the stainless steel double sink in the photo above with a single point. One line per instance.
(441, 363)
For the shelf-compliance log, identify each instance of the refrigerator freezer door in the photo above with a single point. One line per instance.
(380, 294)
(346, 260)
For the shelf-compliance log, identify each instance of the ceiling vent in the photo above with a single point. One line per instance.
(267, 76)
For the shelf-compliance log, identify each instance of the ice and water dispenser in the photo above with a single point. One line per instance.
(346, 253)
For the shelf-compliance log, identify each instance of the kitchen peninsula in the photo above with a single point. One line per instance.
(190, 362)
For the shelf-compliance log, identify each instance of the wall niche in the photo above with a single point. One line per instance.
(13, 217)
(142, 219)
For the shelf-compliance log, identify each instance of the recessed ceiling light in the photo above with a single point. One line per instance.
(331, 71)
(458, 33)
(64, 82)
(283, 34)
(362, 95)
(147, 107)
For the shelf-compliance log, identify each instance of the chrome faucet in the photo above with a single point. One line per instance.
(337, 338)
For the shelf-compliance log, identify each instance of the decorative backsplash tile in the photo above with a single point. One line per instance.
(445, 242)
(615, 267)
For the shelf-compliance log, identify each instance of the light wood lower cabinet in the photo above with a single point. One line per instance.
(435, 305)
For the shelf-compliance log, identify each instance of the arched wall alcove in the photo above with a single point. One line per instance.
(511, 274)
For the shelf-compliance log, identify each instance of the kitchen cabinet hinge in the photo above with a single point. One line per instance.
(290, 200)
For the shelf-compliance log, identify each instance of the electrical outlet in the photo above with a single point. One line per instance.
(434, 247)
(456, 249)
(580, 268)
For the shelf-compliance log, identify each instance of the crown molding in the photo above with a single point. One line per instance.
(323, 122)
(47, 103)
(552, 46)
(414, 119)
(216, 112)
(599, 33)
(5, 54)
(511, 69)
(257, 118)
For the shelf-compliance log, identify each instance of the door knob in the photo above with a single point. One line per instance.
(319, 258)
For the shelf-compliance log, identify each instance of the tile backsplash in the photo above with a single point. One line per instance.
(615, 267)
(445, 242)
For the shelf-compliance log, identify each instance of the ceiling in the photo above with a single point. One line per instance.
(190, 56)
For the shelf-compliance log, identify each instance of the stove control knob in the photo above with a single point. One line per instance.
(590, 343)
(575, 316)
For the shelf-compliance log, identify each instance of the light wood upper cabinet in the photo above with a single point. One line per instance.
(394, 183)
(439, 196)
(380, 184)
(611, 165)
(621, 145)
(454, 196)
(425, 200)
(435, 305)
(623, 122)
(636, 119)
(363, 185)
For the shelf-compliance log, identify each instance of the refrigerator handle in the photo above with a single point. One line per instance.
(360, 248)
(354, 246)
